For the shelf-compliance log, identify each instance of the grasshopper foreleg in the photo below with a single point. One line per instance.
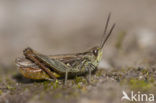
(90, 74)
(91, 67)
(28, 52)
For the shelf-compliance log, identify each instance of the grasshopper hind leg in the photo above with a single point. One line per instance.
(30, 54)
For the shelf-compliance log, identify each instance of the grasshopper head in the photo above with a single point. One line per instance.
(97, 51)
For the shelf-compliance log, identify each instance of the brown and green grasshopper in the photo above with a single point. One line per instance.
(38, 66)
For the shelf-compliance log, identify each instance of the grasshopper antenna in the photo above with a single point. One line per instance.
(105, 30)
(108, 35)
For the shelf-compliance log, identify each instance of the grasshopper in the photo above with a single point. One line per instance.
(39, 66)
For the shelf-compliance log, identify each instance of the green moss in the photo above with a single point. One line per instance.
(1, 92)
(140, 84)
(55, 84)
(99, 73)
(49, 85)
(144, 71)
(151, 79)
(10, 87)
(79, 86)
(46, 85)
(8, 81)
(80, 79)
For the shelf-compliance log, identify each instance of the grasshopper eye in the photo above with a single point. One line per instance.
(95, 52)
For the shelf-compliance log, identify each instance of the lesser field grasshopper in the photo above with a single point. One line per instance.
(38, 66)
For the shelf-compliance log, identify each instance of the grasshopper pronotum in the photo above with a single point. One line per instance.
(38, 66)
